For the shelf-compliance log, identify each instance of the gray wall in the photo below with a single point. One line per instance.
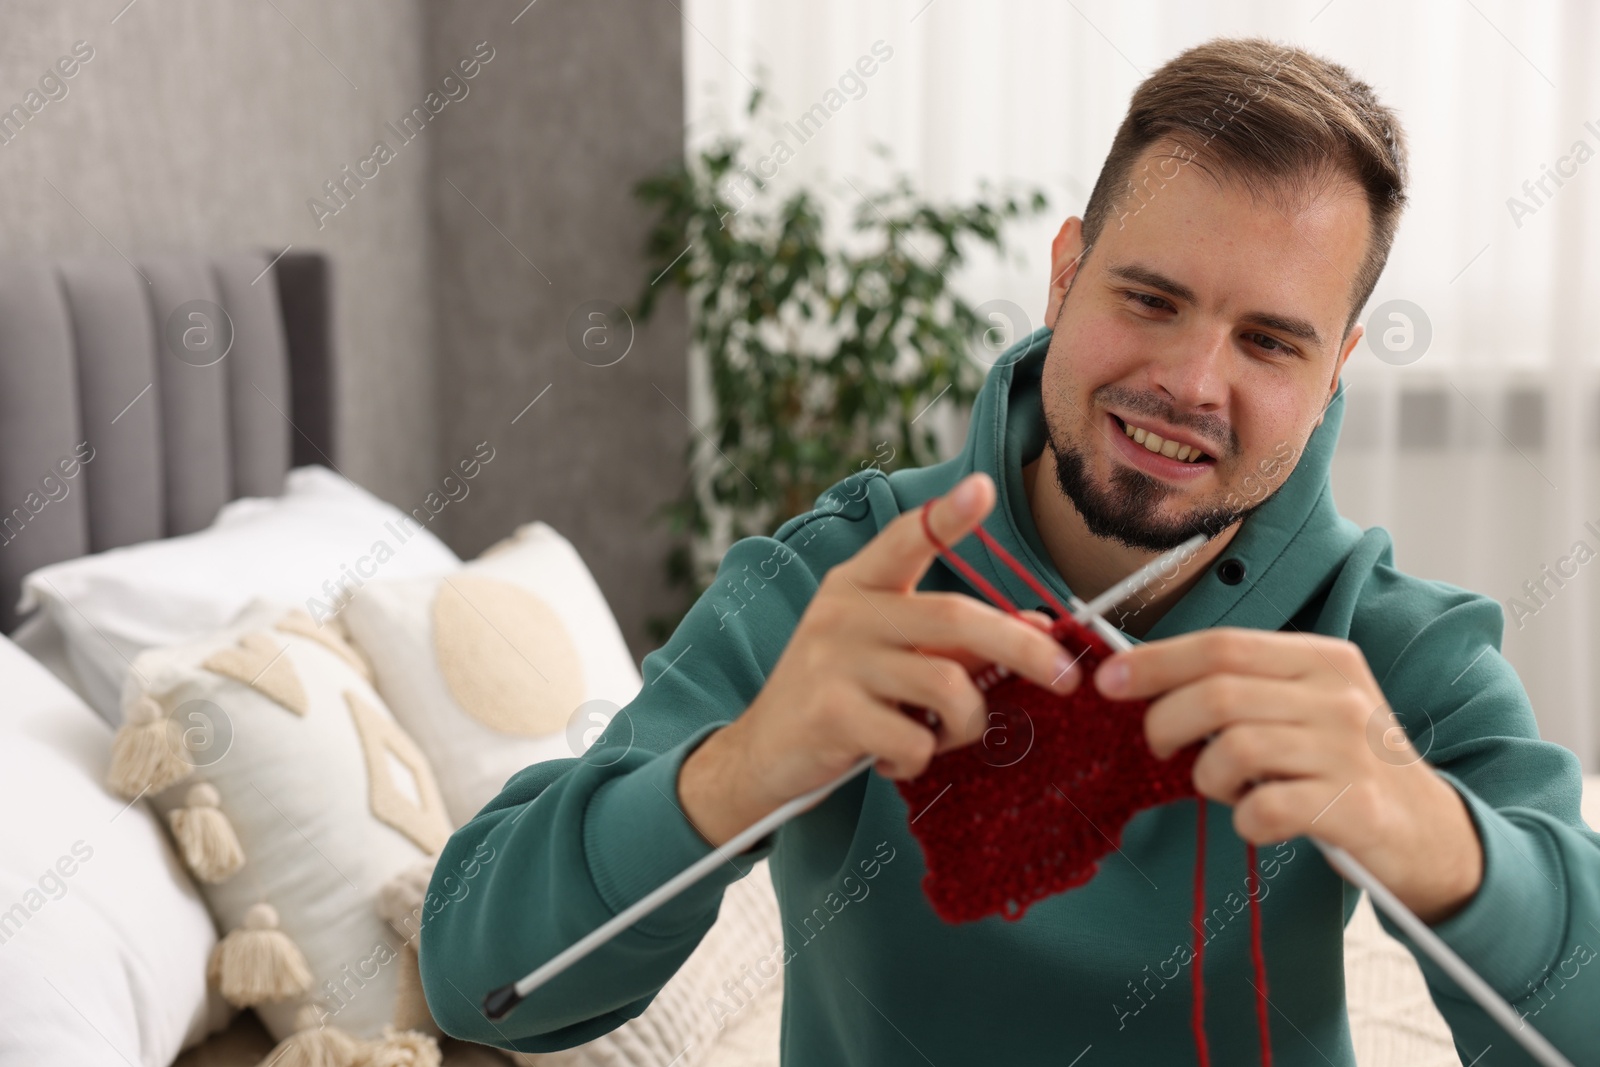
(580, 102)
(206, 124)
(200, 123)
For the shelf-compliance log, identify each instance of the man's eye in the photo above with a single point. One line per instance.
(1154, 303)
(1271, 344)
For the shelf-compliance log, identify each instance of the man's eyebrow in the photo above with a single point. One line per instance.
(1293, 327)
(1288, 324)
(1139, 275)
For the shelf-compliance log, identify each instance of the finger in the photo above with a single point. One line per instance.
(1195, 711)
(1159, 666)
(929, 682)
(1241, 756)
(948, 623)
(901, 553)
(1037, 618)
(903, 746)
(973, 663)
(1277, 811)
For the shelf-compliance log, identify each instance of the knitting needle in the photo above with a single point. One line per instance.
(1353, 871)
(1457, 968)
(1092, 614)
(499, 1002)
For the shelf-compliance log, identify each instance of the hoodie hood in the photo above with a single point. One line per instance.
(1290, 548)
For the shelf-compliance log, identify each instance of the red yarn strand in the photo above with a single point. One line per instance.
(1258, 956)
(1022, 572)
(1197, 976)
(967, 570)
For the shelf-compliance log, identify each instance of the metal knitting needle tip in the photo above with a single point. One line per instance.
(1144, 575)
(499, 1002)
(1092, 614)
(1493, 1005)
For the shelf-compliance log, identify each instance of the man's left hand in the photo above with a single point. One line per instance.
(1305, 743)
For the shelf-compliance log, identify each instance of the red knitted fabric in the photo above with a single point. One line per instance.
(1037, 803)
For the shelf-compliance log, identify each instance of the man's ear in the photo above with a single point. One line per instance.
(1350, 343)
(1066, 252)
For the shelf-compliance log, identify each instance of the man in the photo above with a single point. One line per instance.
(1200, 315)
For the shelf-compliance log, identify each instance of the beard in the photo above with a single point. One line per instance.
(1128, 511)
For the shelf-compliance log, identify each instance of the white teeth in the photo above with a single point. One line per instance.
(1155, 443)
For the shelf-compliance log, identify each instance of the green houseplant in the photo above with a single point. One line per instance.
(818, 353)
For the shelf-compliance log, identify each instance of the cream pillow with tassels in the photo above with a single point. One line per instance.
(296, 799)
(512, 660)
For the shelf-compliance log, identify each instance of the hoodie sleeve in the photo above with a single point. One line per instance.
(1532, 929)
(568, 844)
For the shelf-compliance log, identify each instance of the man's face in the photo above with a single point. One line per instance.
(1213, 319)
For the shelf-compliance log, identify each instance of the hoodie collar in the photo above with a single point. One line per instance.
(1289, 548)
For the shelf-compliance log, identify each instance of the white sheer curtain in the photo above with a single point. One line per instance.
(1479, 456)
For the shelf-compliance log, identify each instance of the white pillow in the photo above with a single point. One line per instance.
(512, 660)
(1392, 1016)
(100, 927)
(327, 797)
(733, 975)
(313, 546)
(42, 639)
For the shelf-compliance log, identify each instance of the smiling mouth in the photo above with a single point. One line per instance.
(1156, 443)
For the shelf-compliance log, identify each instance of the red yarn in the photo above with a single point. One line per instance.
(1257, 957)
(1016, 830)
(1197, 971)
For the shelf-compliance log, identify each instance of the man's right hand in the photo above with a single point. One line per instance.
(867, 643)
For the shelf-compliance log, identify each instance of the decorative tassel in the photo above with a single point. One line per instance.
(315, 1044)
(148, 751)
(400, 905)
(402, 1048)
(205, 836)
(257, 962)
(400, 899)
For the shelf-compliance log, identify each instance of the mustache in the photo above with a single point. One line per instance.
(1213, 429)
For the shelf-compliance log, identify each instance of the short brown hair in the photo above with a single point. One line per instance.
(1270, 115)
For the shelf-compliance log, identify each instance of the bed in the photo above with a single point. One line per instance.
(81, 360)
(141, 403)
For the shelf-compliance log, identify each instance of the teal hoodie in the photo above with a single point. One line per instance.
(872, 977)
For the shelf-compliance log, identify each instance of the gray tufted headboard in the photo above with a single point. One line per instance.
(124, 365)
